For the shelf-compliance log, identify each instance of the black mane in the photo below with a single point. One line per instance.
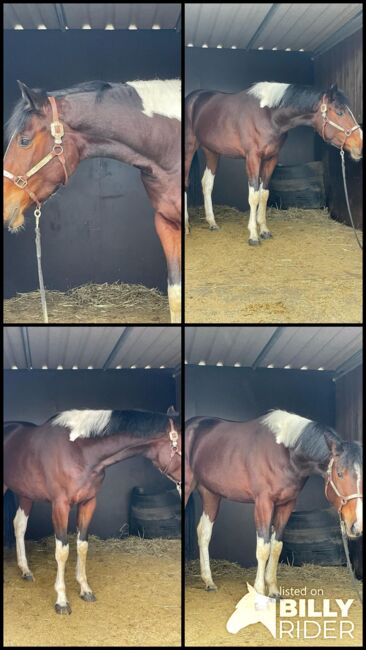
(306, 98)
(139, 424)
(312, 445)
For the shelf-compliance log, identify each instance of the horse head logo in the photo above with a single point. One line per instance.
(253, 608)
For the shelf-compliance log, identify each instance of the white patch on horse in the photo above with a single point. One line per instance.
(204, 532)
(82, 551)
(287, 427)
(160, 97)
(253, 199)
(175, 302)
(20, 526)
(262, 210)
(269, 93)
(208, 180)
(359, 500)
(83, 424)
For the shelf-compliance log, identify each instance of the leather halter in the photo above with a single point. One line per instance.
(173, 436)
(344, 499)
(57, 132)
(326, 120)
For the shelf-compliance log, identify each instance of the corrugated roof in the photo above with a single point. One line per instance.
(330, 348)
(75, 15)
(310, 26)
(99, 347)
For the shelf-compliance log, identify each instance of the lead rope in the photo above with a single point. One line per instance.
(346, 550)
(37, 214)
(346, 195)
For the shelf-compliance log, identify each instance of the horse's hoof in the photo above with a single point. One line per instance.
(88, 597)
(266, 234)
(28, 576)
(62, 609)
(214, 226)
(211, 587)
(254, 242)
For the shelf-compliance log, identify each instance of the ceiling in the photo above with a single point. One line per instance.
(97, 347)
(337, 349)
(74, 15)
(311, 26)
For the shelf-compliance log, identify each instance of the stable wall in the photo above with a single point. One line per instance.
(36, 395)
(99, 228)
(232, 71)
(244, 394)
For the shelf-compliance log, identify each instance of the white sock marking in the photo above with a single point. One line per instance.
(82, 551)
(208, 180)
(204, 532)
(61, 555)
(253, 199)
(262, 555)
(20, 526)
(175, 302)
(271, 570)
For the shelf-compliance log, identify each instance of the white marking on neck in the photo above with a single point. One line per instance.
(269, 93)
(287, 427)
(159, 97)
(83, 424)
(359, 500)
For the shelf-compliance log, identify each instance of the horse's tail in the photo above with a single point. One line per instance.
(190, 529)
(10, 508)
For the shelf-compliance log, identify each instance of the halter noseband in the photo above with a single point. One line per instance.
(173, 436)
(344, 499)
(57, 132)
(326, 120)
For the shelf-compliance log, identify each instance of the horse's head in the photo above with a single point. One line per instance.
(253, 608)
(343, 487)
(30, 142)
(336, 123)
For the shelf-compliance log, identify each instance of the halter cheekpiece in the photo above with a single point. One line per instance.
(173, 437)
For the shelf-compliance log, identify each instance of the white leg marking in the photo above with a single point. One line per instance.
(20, 526)
(262, 555)
(208, 180)
(186, 215)
(252, 225)
(261, 213)
(271, 570)
(204, 532)
(175, 302)
(82, 550)
(61, 555)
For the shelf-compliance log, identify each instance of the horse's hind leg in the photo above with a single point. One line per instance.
(208, 180)
(263, 511)
(60, 517)
(211, 504)
(20, 526)
(266, 173)
(85, 513)
(190, 149)
(169, 233)
(280, 519)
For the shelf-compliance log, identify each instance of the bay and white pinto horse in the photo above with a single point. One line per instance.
(253, 124)
(137, 122)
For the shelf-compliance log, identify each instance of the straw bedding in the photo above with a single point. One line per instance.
(310, 272)
(91, 303)
(137, 584)
(206, 613)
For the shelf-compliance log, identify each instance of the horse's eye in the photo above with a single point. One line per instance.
(340, 474)
(340, 113)
(23, 141)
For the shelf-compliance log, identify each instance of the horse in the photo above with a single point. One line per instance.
(138, 122)
(63, 461)
(266, 461)
(253, 124)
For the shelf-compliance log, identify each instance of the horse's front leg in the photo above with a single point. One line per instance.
(84, 516)
(60, 517)
(211, 504)
(20, 526)
(263, 511)
(267, 169)
(253, 163)
(169, 232)
(280, 519)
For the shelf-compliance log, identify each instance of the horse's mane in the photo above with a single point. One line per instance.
(306, 98)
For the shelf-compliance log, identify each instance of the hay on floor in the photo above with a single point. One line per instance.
(310, 272)
(137, 583)
(206, 613)
(91, 303)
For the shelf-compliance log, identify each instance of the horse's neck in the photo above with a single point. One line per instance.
(286, 119)
(110, 450)
(305, 465)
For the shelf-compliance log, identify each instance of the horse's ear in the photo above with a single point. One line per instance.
(251, 589)
(34, 98)
(333, 89)
(334, 444)
(171, 411)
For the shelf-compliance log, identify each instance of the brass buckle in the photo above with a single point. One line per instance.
(57, 131)
(323, 108)
(59, 149)
(21, 182)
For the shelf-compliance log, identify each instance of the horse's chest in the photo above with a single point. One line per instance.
(88, 489)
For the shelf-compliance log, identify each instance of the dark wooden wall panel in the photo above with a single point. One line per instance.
(349, 404)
